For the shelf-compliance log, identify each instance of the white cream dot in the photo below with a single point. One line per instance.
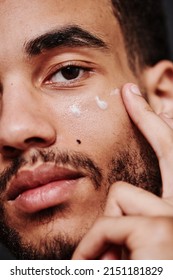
(74, 109)
(115, 91)
(101, 103)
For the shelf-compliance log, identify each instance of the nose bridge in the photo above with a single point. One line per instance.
(17, 105)
(21, 119)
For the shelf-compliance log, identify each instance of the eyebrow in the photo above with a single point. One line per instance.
(69, 36)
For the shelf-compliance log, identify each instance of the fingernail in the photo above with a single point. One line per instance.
(135, 90)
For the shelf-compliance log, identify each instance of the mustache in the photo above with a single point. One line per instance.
(75, 160)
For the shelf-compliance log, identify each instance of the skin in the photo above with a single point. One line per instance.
(143, 223)
(31, 90)
(28, 97)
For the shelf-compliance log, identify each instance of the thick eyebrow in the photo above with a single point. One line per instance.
(70, 36)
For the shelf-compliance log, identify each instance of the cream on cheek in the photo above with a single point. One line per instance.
(87, 116)
(77, 111)
(115, 91)
(101, 103)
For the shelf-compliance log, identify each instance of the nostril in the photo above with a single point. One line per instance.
(9, 151)
(34, 140)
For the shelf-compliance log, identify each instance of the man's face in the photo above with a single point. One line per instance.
(65, 136)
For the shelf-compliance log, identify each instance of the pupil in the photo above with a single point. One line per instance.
(70, 72)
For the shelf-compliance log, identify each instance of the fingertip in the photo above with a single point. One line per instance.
(135, 103)
(77, 255)
(131, 89)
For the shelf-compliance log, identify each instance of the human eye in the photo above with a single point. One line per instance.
(68, 75)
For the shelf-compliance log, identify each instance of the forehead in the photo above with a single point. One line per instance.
(24, 19)
(54, 7)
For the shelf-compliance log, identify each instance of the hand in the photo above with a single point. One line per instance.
(135, 218)
(144, 236)
(156, 129)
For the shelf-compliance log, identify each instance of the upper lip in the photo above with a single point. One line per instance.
(42, 175)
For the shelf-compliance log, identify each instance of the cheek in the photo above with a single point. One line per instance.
(92, 124)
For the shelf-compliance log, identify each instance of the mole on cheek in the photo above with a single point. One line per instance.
(78, 141)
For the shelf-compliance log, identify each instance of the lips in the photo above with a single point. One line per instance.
(46, 186)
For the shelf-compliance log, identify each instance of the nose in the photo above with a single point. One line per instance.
(24, 122)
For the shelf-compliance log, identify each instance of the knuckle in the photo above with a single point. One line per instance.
(148, 108)
(116, 188)
(100, 222)
(163, 229)
(146, 111)
(103, 223)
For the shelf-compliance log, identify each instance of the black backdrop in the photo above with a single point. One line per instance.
(168, 5)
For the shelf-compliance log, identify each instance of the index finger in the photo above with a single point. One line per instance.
(156, 131)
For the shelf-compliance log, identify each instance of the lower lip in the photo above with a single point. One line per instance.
(52, 194)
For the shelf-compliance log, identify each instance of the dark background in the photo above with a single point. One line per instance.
(168, 6)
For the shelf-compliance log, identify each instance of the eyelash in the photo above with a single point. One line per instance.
(87, 71)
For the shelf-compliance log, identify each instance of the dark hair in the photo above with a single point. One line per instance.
(143, 25)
